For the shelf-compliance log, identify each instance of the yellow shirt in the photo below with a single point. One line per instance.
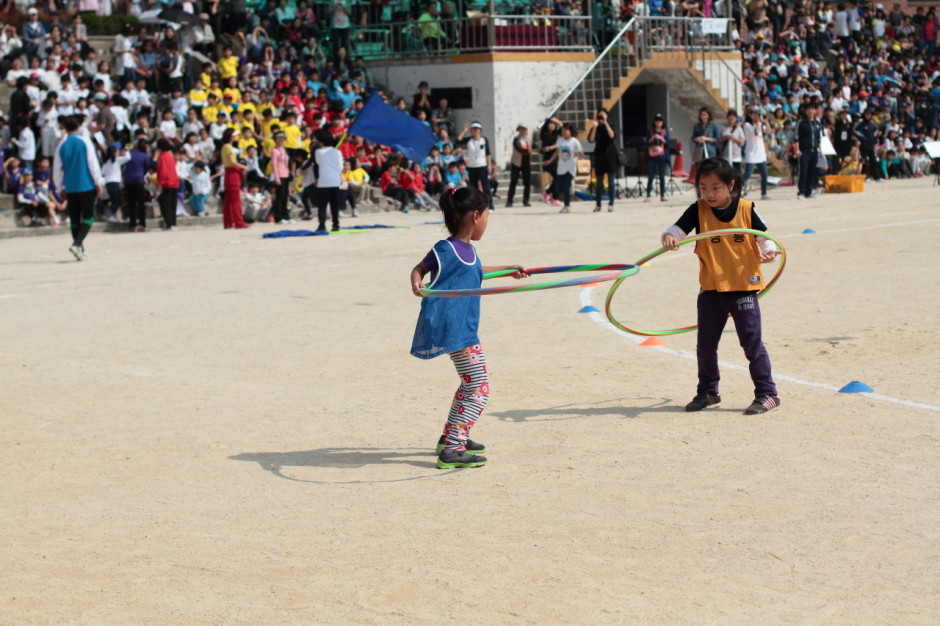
(728, 262)
(357, 176)
(305, 145)
(228, 156)
(210, 114)
(228, 110)
(235, 92)
(205, 79)
(293, 133)
(265, 106)
(247, 106)
(228, 67)
(266, 146)
(244, 144)
(266, 126)
(197, 98)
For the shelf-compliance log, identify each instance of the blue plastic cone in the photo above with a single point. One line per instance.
(856, 387)
(589, 309)
(809, 231)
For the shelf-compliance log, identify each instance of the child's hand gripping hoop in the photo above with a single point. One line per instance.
(615, 272)
(708, 235)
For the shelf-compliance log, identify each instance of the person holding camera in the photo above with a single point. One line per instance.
(658, 160)
(605, 157)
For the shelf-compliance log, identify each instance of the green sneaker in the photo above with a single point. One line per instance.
(460, 458)
(473, 447)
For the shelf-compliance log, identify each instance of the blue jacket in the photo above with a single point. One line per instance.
(76, 167)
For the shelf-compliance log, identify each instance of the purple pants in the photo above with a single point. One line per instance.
(713, 310)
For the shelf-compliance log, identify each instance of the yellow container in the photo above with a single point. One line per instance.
(845, 184)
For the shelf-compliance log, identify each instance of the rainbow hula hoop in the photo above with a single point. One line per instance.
(614, 272)
(708, 235)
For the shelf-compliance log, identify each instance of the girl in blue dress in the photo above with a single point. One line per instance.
(449, 325)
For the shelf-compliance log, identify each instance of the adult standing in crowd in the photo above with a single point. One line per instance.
(479, 158)
(605, 158)
(135, 192)
(808, 137)
(867, 135)
(169, 182)
(657, 157)
(567, 152)
(280, 175)
(520, 166)
(77, 174)
(732, 140)
(329, 162)
(704, 137)
(755, 152)
(232, 182)
(548, 136)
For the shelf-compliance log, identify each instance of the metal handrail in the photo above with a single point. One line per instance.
(698, 53)
(615, 43)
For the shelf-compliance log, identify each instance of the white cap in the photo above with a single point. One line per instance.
(33, 11)
(476, 125)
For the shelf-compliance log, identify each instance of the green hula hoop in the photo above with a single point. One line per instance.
(614, 272)
(687, 240)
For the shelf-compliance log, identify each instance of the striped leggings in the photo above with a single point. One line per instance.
(470, 399)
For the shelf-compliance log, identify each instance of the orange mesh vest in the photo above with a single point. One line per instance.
(728, 262)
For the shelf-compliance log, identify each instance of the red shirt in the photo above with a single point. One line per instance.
(385, 180)
(418, 182)
(166, 171)
(406, 180)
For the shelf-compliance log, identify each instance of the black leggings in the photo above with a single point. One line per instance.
(167, 202)
(328, 196)
(281, 192)
(81, 214)
(136, 207)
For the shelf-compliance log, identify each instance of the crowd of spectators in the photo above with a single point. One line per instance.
(870, 76)
(174, 93)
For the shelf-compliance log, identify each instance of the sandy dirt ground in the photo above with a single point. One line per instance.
(207, 427)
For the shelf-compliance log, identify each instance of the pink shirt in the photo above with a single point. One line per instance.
(280, 164)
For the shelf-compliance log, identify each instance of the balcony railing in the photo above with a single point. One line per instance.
(496, 33)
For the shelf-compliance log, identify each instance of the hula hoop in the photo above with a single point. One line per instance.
(708, 235)
(614, 272)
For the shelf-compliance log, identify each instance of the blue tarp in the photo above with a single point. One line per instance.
(294, 233)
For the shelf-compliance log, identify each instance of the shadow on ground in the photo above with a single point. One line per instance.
(629, 408)
(343, 458)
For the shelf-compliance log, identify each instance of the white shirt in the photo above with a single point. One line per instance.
(732, 151)
(567, 155)
(26, 142)
(111, 171)
(201, 183)
(476, 152)
(330, 161)
(754, 151)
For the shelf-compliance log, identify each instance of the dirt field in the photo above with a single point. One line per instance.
(208, 427)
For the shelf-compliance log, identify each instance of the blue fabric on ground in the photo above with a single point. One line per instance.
(278, 234)
(367, 227)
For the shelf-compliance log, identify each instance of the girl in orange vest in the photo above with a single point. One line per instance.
(730, 277)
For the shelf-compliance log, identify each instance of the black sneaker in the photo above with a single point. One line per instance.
(597, 209)
(335, 228)
(472, 446)
(461, 458)
(703, 400)
(509, 205)
(762, 404)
